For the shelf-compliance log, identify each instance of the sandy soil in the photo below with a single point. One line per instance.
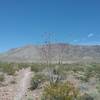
(18, 90)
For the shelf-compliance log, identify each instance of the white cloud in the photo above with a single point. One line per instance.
(75, 40)
(90, 35)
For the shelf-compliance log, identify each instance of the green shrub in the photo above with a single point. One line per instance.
(36, 67)
(98, 88)
(2, 77)
(60, 91)
(23, 65)
(37, 79)
(34, 84)
(86, 97)
(8, 68)
(30, 98)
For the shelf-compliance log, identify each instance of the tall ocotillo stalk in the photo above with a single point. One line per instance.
(47, 53)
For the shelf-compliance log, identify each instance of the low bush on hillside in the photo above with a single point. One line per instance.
(98, 88)
(8, 68)
(37, 67)
(11, 68)
(23, 65)
(86, 97)
(60, 91)
(91, 70)
(2, 77)
(37, 80)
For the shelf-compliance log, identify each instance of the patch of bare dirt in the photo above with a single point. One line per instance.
(15, 88)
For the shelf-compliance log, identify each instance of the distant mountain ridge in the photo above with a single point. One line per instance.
(65, 53)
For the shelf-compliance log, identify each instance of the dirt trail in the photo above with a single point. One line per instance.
(23, 84)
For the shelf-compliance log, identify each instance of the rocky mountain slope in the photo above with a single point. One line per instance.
(55, 52)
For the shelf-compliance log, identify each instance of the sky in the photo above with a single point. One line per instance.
(24, 22)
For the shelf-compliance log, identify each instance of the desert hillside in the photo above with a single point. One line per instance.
(65, 52)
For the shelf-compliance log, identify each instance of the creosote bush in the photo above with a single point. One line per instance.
(60, 91)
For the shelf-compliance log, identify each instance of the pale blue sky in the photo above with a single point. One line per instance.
(23, 22)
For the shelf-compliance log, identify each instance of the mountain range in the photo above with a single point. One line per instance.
(60, 52)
